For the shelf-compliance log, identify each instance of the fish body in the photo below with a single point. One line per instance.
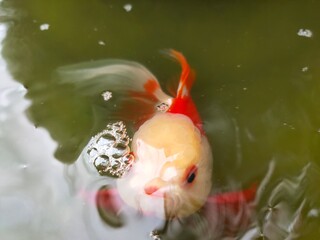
(171, 176)
(172, 173)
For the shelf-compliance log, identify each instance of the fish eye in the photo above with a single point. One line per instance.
(191, 174)
(191, 177)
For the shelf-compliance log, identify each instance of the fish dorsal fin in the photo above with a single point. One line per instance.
(183, 102)
(187, 76)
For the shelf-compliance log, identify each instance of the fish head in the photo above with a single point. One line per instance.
(172, 173)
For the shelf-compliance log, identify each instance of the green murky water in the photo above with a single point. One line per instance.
(257, 90)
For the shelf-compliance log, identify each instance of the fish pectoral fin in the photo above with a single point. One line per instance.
(109, 205)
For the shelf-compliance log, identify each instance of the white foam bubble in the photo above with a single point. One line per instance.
(305, 33)
(44, 27)
(127, 7)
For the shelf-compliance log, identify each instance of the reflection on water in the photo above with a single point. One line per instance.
(257, 90)
(290, 209)
(34, 195)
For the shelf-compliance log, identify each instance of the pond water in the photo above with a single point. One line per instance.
(258, 70)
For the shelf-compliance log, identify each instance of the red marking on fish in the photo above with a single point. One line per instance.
(187, 107)
(108, 199)
(183, 102)
(137, 108)
(246, 195)
(224, 207)
(151, 86)
(230, 213)
(143, 96)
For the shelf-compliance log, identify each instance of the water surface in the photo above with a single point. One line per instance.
(257, 89)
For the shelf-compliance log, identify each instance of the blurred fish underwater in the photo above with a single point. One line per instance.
(257, 91)
(168, 171)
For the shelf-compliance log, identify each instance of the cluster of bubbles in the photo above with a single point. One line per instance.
(109, 151)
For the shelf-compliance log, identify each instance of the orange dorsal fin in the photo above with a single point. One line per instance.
(187, 76)
(183, 102)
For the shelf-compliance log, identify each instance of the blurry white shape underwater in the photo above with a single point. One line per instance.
(102, 43)
(305, 33)
(127, 7)
(44, 27)
(313, 213)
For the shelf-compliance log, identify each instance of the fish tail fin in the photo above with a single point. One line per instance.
(136, 88)
(112, 74)
(187, 76)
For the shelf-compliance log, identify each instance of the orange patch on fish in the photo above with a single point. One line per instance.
(151, 86)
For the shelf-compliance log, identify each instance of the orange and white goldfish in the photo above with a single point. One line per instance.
(171, 176)
(172, 173)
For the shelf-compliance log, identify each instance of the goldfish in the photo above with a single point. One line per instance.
(171, 176)
(172, 173)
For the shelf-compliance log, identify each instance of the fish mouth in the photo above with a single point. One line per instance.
(157, 187)
(159, 192)
(152, 190)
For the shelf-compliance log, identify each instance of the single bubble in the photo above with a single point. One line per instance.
(93, 153)
(116, 156)
(44, 27)
(115, 165)
(121, 149)
(101, 163)
(313, 213)
(128, 159)
(127, 7)
(107, 95)
(106, 139)
(120, 146)
(102, 160)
